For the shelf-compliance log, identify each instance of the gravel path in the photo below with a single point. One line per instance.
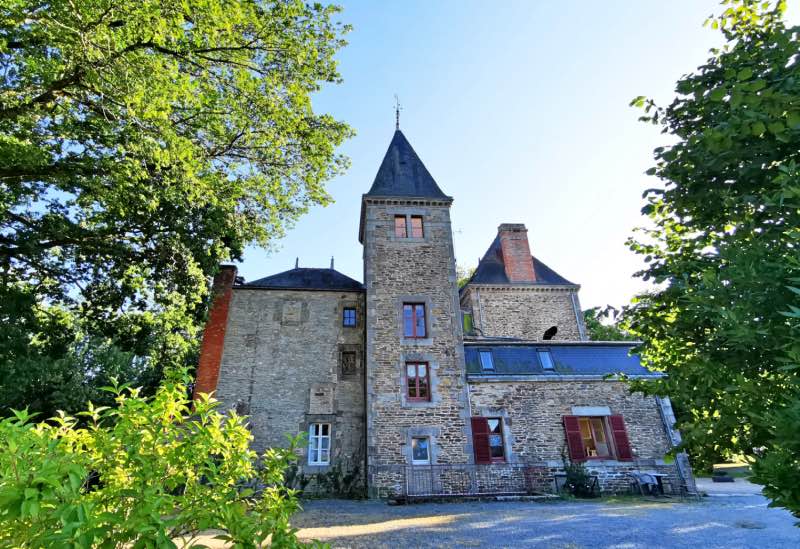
(730, 522)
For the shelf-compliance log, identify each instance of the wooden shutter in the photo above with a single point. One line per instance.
(480, 440)
(572, 428)
(621, 441)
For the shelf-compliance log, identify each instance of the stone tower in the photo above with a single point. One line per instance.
(416, 391)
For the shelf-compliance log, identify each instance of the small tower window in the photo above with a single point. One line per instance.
(420, 451)
(349, 317)
(416, 226)
(400, 226)
(418, 381)
(414, 325)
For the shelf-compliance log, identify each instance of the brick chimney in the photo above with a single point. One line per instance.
(214, 334)
(516, 252)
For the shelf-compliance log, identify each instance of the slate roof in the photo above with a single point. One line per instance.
(402, 173)
(573, 359)
(491, 270)
(307, 279)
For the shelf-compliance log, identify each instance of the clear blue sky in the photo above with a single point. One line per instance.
(520, 112)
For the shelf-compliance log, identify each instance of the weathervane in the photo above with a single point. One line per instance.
(397, 109)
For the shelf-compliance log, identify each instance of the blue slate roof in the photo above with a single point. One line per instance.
(573, 359)
(491, 270)
(307, 279)
(403, 174)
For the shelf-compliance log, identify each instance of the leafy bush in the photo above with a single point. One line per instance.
(141, 474)
(341, 482)
(579, 482)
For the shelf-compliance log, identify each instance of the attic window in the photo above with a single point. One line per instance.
(416, 226)
(400, 226)
(545, 359)
(487, 363)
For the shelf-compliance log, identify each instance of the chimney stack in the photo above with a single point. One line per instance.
(214, 333)
(516, 252)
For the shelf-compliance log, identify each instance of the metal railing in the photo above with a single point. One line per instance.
(477, 480)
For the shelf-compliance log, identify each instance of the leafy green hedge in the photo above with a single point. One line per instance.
(144, 473)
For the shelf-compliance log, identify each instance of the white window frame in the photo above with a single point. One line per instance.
(315, 444)
(481, 354)
(421, 461)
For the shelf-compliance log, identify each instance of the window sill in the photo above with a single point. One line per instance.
(416, 340)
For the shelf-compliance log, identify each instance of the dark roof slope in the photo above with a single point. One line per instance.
(574, 359)
(402, 173)
(307, 279)
(491, 269)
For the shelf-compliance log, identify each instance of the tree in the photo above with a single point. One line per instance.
(463, 275)
(723, 319)
(142, 142)
(610, 330)
(145, 473)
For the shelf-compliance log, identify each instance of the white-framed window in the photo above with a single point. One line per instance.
(319, 444)
(421, 450)
(487, 363)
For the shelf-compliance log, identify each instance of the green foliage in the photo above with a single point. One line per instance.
(463, 274)
(724, 249)
(610, 330)
(143, 142)
(144, 472)
(579, 481)
(341, 482)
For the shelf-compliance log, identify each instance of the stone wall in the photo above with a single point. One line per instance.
(282, 365)
(524, 312)
(534, 433)
(398, 270)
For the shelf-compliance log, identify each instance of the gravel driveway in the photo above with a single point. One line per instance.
(728, 521)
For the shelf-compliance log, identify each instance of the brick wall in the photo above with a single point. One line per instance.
(418, 270)
(516, 252)
(281, 365)
(208, 367)
(523, 312)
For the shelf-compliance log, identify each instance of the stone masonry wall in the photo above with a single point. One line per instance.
(534, 433)
(523, 312)
(281, 365)
(422, 271)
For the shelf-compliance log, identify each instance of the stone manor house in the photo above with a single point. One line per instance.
(422, 387)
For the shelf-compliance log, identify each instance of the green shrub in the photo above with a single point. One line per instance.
(141, 474)
(579, 482)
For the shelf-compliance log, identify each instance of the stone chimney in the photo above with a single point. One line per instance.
(516, 252)
(214, 334)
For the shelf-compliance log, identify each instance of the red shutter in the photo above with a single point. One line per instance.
(480, 440)
(572, 428)
(621, 441)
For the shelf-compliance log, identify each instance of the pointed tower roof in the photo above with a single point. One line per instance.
(403, 174)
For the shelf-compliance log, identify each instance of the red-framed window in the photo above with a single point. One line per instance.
(487, 440)
(400, 230)
(418, 381)
(416, 226)
(414, 323)
(597, 438)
